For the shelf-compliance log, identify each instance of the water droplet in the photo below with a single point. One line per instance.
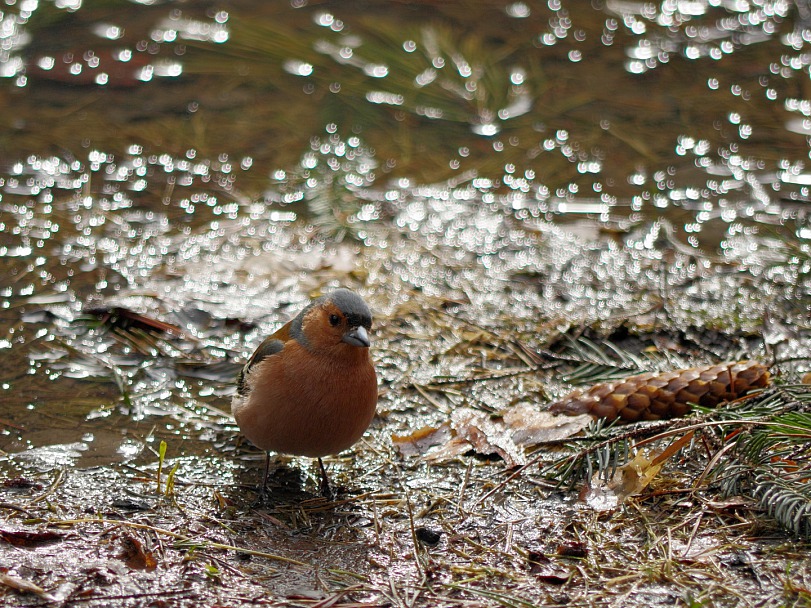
(518, 10)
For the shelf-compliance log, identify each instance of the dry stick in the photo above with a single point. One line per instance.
(465, 481)
(131, 596)
(328, 602)
(413, 531)
(181, 538)
(8, 423)
(13, 507)
(692, 535)
(711, 464)
(51, 489)
(395, 597)
(377, 522)
(508, 538)
(428, 397)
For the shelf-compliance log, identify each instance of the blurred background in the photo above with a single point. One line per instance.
(622, 112)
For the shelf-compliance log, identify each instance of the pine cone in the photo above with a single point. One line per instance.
(654, 396)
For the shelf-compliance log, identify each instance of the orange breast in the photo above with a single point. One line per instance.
(308, 405)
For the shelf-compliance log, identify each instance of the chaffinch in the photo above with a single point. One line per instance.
(310, 388)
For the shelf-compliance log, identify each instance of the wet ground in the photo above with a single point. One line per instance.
(529, 197)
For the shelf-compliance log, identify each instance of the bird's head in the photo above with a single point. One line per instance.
(338, 319)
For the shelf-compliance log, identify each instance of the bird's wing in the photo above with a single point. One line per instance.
(271, 345)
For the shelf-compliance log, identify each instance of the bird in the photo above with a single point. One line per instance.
(310, 388)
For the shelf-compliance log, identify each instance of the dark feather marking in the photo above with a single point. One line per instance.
(354, 308)
(296, 332)
(270, 346)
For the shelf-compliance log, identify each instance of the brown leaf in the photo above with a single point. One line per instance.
(21, 483)
(547, 570)
(530, 426)
(486, 436)
(118, 316)
(628, 480)
(573, 549)
(471, 429)
(135, 556)
(674, 447)
(25, 586)
(421, 440)
(25, 538)
(456, 446)
(730, 504)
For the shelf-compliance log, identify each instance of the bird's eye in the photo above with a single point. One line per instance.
(334, 320)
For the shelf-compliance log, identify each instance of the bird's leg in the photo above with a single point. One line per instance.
(264, 481)
(326, 490)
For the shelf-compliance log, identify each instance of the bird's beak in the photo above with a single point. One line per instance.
(357, 336)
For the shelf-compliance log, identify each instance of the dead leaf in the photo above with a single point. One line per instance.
(25, 538)
(421, 440)
(546, 570)
(573, 549)
(628, 480)
(674, 447)
(25, 586)
(124, 318)
(632, 478)
(456, 446)
(530, 426)
(486, 436)
(135, 556)
(471, 429)
(21, 483)
(730, 504)
(637, 475)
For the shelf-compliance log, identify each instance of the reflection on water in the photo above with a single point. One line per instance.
(630, 107)
(211, 168)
